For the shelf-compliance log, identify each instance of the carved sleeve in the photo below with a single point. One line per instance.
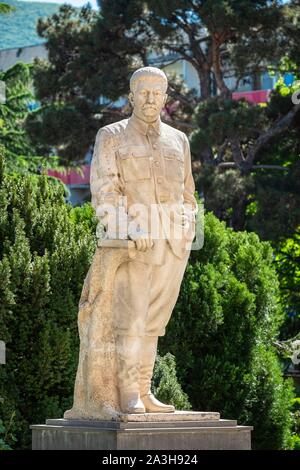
(105, 181)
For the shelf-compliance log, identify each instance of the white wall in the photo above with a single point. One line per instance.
(9, 57)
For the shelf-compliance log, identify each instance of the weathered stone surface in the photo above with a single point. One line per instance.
(142, 189)
(96, 393)
(177, 417)
(178, 431)
(170, 417)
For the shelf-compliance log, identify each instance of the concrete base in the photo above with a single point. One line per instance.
(150, 431)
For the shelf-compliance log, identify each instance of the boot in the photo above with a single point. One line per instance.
(128, 351)
(147, 360)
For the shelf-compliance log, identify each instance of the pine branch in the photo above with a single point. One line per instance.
(227, 165)
(278, 129)
(5, 8)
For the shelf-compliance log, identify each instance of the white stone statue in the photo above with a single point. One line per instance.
(143, 193)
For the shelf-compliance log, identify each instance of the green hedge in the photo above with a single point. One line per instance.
(222, 333)
(45, 251)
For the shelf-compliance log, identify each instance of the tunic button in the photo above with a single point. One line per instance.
(157, 163)
(155, 146)
(159, 179)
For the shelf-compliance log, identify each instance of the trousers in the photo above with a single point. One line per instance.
(145, 294)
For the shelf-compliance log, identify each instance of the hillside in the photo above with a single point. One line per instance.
(18, 29)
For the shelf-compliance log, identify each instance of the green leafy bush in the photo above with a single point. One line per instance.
(45, 251)
(3, 445)
(222, 333)
(165, 384)
(295, 437)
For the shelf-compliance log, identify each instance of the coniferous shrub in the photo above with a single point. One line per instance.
(45, 251)
(165, 384)
(222, 333)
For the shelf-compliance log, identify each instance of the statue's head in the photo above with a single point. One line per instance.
(148, 86)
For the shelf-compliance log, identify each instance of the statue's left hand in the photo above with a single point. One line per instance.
(144, 242)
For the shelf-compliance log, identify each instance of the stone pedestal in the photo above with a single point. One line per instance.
(181, 430)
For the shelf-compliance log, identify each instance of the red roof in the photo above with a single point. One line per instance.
(255, 96)
(73, 177)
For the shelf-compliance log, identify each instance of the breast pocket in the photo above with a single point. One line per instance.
(174, 164)
(135, 163)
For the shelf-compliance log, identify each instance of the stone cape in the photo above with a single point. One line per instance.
(96, 392)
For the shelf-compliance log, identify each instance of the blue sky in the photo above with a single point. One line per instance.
(75, 3)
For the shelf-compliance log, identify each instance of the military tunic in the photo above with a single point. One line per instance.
(146, 169)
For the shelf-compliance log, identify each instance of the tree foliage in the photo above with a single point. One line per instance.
(14, 110)
(165, 384)
(16, 99)
(89, 56)
(5, 8)
(45, 253)
(288, 268)
(94, 53)
(222, 334)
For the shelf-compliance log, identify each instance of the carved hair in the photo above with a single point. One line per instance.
(145, 73)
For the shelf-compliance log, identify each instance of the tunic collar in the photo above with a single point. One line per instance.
(143, 127)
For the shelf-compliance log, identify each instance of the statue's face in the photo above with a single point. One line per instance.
(148, 99)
